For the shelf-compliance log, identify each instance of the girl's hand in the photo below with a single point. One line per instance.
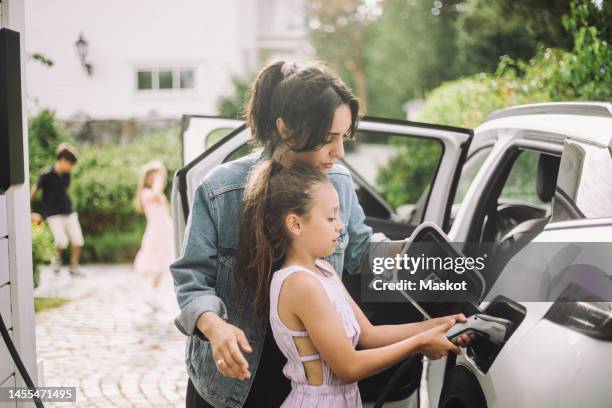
(158, 182)
(226, 340)
(464, 339)
(434, 344)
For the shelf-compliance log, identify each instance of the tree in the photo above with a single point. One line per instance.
(44, 135)
(583, 73)
(232, 105)
(389, 51)
(409, 50)
(488, 29)
(337, 30)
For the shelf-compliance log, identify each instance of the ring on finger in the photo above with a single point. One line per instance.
(219, 361)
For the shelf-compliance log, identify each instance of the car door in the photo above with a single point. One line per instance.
(407, 154)
(200, 132)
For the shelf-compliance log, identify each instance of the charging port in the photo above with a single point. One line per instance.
(482, 351)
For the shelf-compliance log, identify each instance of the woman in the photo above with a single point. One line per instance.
(155, 254)
(299, 114)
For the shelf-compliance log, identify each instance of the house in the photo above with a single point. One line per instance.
(152, 59)
(16, 287)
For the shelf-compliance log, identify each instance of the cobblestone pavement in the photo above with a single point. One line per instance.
(108, 342)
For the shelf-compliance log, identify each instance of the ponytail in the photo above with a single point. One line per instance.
(254, 255)
(260, 114)
(305, 97)
(272, 192)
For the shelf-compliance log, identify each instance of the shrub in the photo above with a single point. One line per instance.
(232, 105)
(114, 246)
(103, 187)
(44, 135)
(43, 249)
(552, 75)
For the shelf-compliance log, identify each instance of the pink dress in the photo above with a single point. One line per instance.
(156, 251)
(333, 392)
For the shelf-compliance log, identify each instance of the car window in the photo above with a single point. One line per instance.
(472, 165)
(216, 135)
(513, 196)
(398, 168)
(470, 168)
(584, 189)
(521, 182)
(240, 152)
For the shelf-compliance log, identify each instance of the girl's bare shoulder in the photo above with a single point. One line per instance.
(301, 283)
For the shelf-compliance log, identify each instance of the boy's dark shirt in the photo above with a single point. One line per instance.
(55, 197)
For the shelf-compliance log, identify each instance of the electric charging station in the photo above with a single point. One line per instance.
(16, 286)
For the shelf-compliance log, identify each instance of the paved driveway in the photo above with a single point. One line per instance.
(108, 342)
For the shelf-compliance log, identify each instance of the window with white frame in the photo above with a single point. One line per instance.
(165, 79)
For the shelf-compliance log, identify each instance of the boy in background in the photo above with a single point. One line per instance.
(62, 220)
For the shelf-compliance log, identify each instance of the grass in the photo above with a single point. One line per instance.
(44, 303)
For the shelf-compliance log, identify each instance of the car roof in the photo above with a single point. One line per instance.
(587, 121)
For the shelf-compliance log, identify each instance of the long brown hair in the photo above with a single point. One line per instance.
(305, 97)
(272, 192)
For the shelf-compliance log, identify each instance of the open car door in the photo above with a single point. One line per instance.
(404, 173)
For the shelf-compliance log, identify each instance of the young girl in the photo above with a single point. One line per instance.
(292, 213)
(155, 254)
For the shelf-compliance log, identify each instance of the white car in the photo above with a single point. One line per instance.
(559, 353)
(492, 184)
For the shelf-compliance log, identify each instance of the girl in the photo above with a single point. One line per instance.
(293, 214)
(155, 254)
(298, 113)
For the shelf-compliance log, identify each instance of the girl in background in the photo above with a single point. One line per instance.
(293, 214)
(155, 254)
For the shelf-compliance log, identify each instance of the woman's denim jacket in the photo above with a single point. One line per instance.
(204, 279)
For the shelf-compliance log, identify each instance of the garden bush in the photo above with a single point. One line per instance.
(103, 187)
(43, 249)
(552, 75)
(44, 135)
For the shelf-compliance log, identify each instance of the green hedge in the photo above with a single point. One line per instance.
(552, 75)
(44, 135)
(582, 74)
(103, 187)
(114, 246)
(43, 249)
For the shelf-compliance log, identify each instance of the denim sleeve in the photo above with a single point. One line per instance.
(195, 271)
(360, 236)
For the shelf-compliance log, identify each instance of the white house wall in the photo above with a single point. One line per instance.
(15, 243)
(215, 38)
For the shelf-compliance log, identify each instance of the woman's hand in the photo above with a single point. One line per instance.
(434, 344)
(226, 340)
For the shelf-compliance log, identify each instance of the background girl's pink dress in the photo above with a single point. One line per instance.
(156, 250)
